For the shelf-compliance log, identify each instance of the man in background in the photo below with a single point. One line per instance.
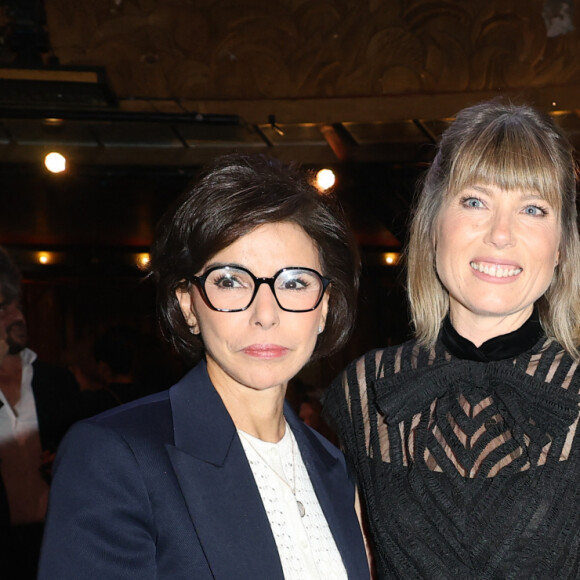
(5, 551)
(37, 405)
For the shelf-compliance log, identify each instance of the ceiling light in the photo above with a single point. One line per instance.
(143, 260)
(55, 162)
(325, 179)
(391, 258)
(43, 257)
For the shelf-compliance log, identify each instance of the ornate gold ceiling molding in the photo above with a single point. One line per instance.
(214, 50)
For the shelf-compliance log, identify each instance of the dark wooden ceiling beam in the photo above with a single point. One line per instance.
(372, 109)
(339, 140)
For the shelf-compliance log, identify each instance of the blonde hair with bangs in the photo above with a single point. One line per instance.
(514, 148)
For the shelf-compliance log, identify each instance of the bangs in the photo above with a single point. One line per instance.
(510, 155)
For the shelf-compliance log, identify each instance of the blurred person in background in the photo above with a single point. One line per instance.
(5, 550)
(128, 364)
(37, 405)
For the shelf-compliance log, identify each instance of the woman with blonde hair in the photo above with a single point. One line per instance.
(465, 439)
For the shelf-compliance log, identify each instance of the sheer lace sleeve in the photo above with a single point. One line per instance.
(349, 404)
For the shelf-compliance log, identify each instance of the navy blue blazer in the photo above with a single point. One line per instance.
(161, 488)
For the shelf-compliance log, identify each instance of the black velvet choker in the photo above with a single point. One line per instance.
(497, 348)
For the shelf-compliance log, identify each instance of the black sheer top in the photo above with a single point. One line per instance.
(467, 458)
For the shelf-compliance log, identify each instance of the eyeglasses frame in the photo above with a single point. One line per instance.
(201, 279)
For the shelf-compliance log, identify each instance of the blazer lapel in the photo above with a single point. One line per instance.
(218, 485)
(336, 498)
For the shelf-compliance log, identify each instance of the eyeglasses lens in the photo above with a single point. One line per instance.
(233, 289)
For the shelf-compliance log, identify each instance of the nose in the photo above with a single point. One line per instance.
(501, 230)
(265, 309)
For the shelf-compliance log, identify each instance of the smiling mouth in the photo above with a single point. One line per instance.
(496, 270)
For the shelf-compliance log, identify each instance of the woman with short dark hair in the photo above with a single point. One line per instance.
(232, 198)
(465, 439)
(217, 477)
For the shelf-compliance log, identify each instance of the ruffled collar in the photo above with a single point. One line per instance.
(537, 408)
(502, 347)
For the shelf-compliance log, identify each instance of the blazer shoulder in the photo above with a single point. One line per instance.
(146, 419)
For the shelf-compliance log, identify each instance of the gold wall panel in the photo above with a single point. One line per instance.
(288, 49)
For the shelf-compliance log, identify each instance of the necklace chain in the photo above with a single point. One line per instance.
(246, 437)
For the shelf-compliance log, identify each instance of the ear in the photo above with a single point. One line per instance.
(323, 311)
(186, 304)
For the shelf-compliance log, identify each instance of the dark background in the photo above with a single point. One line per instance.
(139, 94)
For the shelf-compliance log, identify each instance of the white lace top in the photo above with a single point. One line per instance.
(305, 544)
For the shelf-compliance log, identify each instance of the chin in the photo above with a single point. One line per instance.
(15, 348)
(500, 311)
(264, 383)
(495, 305)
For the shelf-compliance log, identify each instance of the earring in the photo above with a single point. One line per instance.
(320, 329)
(191, 330)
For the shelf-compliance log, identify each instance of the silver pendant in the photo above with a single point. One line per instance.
(301, 509)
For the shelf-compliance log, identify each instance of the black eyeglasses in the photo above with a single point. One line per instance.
(233, 289)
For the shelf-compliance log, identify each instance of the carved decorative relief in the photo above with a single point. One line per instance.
(252, 49)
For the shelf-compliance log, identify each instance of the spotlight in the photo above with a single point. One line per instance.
(391, 258)
(143, 260)
(43, 258)
(55, 162)
(325, 179)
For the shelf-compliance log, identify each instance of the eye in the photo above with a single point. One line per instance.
(297, 280)
(535, 210)
(228, 280)
(294, 283)
(472, 202)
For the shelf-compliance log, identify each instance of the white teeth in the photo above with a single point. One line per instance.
(495, 271)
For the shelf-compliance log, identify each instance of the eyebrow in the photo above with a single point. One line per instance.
(224, 265)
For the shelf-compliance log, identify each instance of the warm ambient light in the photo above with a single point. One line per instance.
(143, 260)
(53, 122)
(391, 258)
(325, 179)
(55, 162)
(43, 257)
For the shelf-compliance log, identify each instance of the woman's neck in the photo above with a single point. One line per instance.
(479, 328)
(259, 412)
(265, 422)
(501, 347)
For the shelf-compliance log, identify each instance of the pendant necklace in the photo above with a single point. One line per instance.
(301, 508)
